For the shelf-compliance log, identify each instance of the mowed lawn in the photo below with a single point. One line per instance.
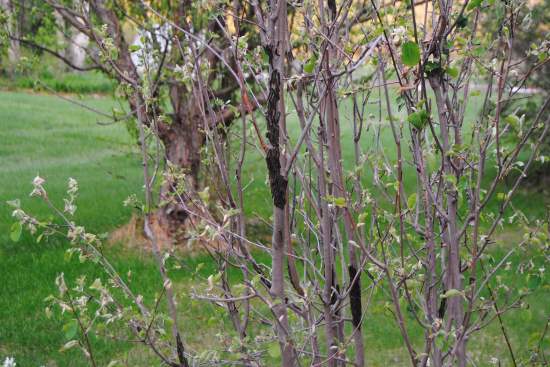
(46, 136)
(41, 134)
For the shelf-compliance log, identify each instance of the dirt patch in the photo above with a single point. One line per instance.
(132, 235)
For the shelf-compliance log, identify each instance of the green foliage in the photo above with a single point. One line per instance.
(410, 53)
(519, 116)
(530, 37)
(309, 66)
(432, 67)
(274, 350)
(16, 230)
(418, 119)
(453, 72)
(70, 329)
(461, 21)
(473, 4)
(411, 201)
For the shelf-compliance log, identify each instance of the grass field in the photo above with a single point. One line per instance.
(41, 134)
(55, 81)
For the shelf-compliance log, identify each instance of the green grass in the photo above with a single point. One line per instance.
(44, 135)
(62, 82)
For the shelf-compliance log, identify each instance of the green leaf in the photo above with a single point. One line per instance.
(70, 329)
(418, 119)
(16, 203)
(68, 255)
(512, 120)
(450, 178)
(96, 284)
(411, 201)
(274, 350)
(410, 53)
(205, 194)
(134, 48)
(431, 67)
(534, 338)
(474, 4)
(15, 232)
(453, 72)
(336, 201)
(461, 21)
(452, 293)
(309, 66)
(340, 202)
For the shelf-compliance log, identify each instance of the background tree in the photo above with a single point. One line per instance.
(158, 64)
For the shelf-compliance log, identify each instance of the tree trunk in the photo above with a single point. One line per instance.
(75, 49)
(276, 49)
(182, 139)
(14, 27)
(453, 278)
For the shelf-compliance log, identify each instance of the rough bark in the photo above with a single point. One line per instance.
(453, 278)
(183, 139)
(276, 49)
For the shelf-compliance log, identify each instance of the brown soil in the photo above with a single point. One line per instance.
(132, 235)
